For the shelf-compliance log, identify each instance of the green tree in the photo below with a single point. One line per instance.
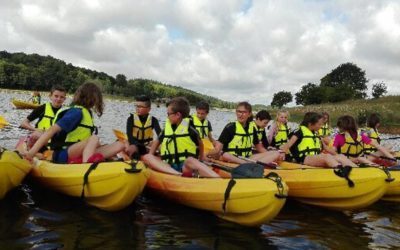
(347, 76)
(309, 94)
(120, 80)
(281, 98)
(379, 89)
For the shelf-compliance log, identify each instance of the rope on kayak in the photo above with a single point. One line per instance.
(344, 172)
(132, 169)
(278, 180)
(228, 189)
(86, 177)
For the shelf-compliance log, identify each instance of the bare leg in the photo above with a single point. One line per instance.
(110, 150)
(157, 164)
(321, 160)
(76, 149)
(194, 164)
(231, 158)
(267, 157)
(131, 149)
(344, 160)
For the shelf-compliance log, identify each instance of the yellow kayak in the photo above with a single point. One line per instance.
(13, 169)
(393, 192)
(19, 104)
(251, 202)
(322, 187)
(110, 186)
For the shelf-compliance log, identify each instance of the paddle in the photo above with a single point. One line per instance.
(244, 170)
(270, 165)
(120, 135)
(391, 138)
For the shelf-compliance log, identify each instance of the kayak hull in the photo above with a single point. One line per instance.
(322, 187)
(110, 187)
(393, 191)
(251, 202)
(13, 170)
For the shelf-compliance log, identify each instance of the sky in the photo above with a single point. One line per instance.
(235, 50)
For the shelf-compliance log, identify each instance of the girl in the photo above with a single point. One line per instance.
(279, 132)
(71, 135)
(306, 146)
(351, 141)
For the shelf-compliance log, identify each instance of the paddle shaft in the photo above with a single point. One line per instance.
(265, 164)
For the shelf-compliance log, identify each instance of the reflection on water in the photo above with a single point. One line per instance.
(32, 217)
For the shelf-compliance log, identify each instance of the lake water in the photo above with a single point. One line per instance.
(34, 218)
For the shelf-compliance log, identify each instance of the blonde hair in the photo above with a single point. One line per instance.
(282, 111)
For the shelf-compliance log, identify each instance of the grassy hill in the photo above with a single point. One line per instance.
(387, 107)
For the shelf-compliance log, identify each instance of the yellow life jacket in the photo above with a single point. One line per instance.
(260, 132)
(36, 99)
(324, 130)
(282, 136)
(201, 126)
(374, 135)
(310, 144)
(241, 144)
(82, 132)
(142, 132)
(177, 145)
(351, 147)
(46, 120)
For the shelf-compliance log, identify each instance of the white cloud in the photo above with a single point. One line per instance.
(235, 50)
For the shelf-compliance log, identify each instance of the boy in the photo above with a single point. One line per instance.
(261, 121)
(200, 122)
(139, 128)
(239, 137)
(180, 143)
(45, 113)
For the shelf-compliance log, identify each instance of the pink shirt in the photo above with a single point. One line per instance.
(340, 140)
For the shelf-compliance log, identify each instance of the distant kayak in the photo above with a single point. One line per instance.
(19, 104)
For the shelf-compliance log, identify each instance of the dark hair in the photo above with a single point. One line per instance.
(311, 118)
(203, 105)
(347, 123)
(263, 115)
(145, 99)
(181, 105)
(246, 105)
(326, 114)
(372, 120)
(89, 96)
(58, 88)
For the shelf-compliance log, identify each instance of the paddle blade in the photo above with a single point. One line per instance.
(120, 135)
(208, 146)
(3, 122)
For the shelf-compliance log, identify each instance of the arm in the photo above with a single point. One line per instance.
(382, 149)
(26, 125)
(285, 147)
(201, 149)
(271, 133)
(154, 147)
(42, 141)
(260, 148)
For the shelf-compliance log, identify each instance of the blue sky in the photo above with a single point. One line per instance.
(232, 49)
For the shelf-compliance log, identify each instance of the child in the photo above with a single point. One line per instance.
(279, 132)
(306, 146)
(261, 121)
(139, 128)
(200, 122)
(180, 144)
(351, 141)
(238, 138)
(71, 135)
(325, 131)
(36, 99)
(45, 113)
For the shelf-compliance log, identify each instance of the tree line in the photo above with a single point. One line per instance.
(345, 82)
(36, 72)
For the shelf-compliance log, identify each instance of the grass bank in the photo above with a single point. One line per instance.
(387, 107)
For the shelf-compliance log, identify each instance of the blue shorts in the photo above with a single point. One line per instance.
(178, 167)
(60, 156)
